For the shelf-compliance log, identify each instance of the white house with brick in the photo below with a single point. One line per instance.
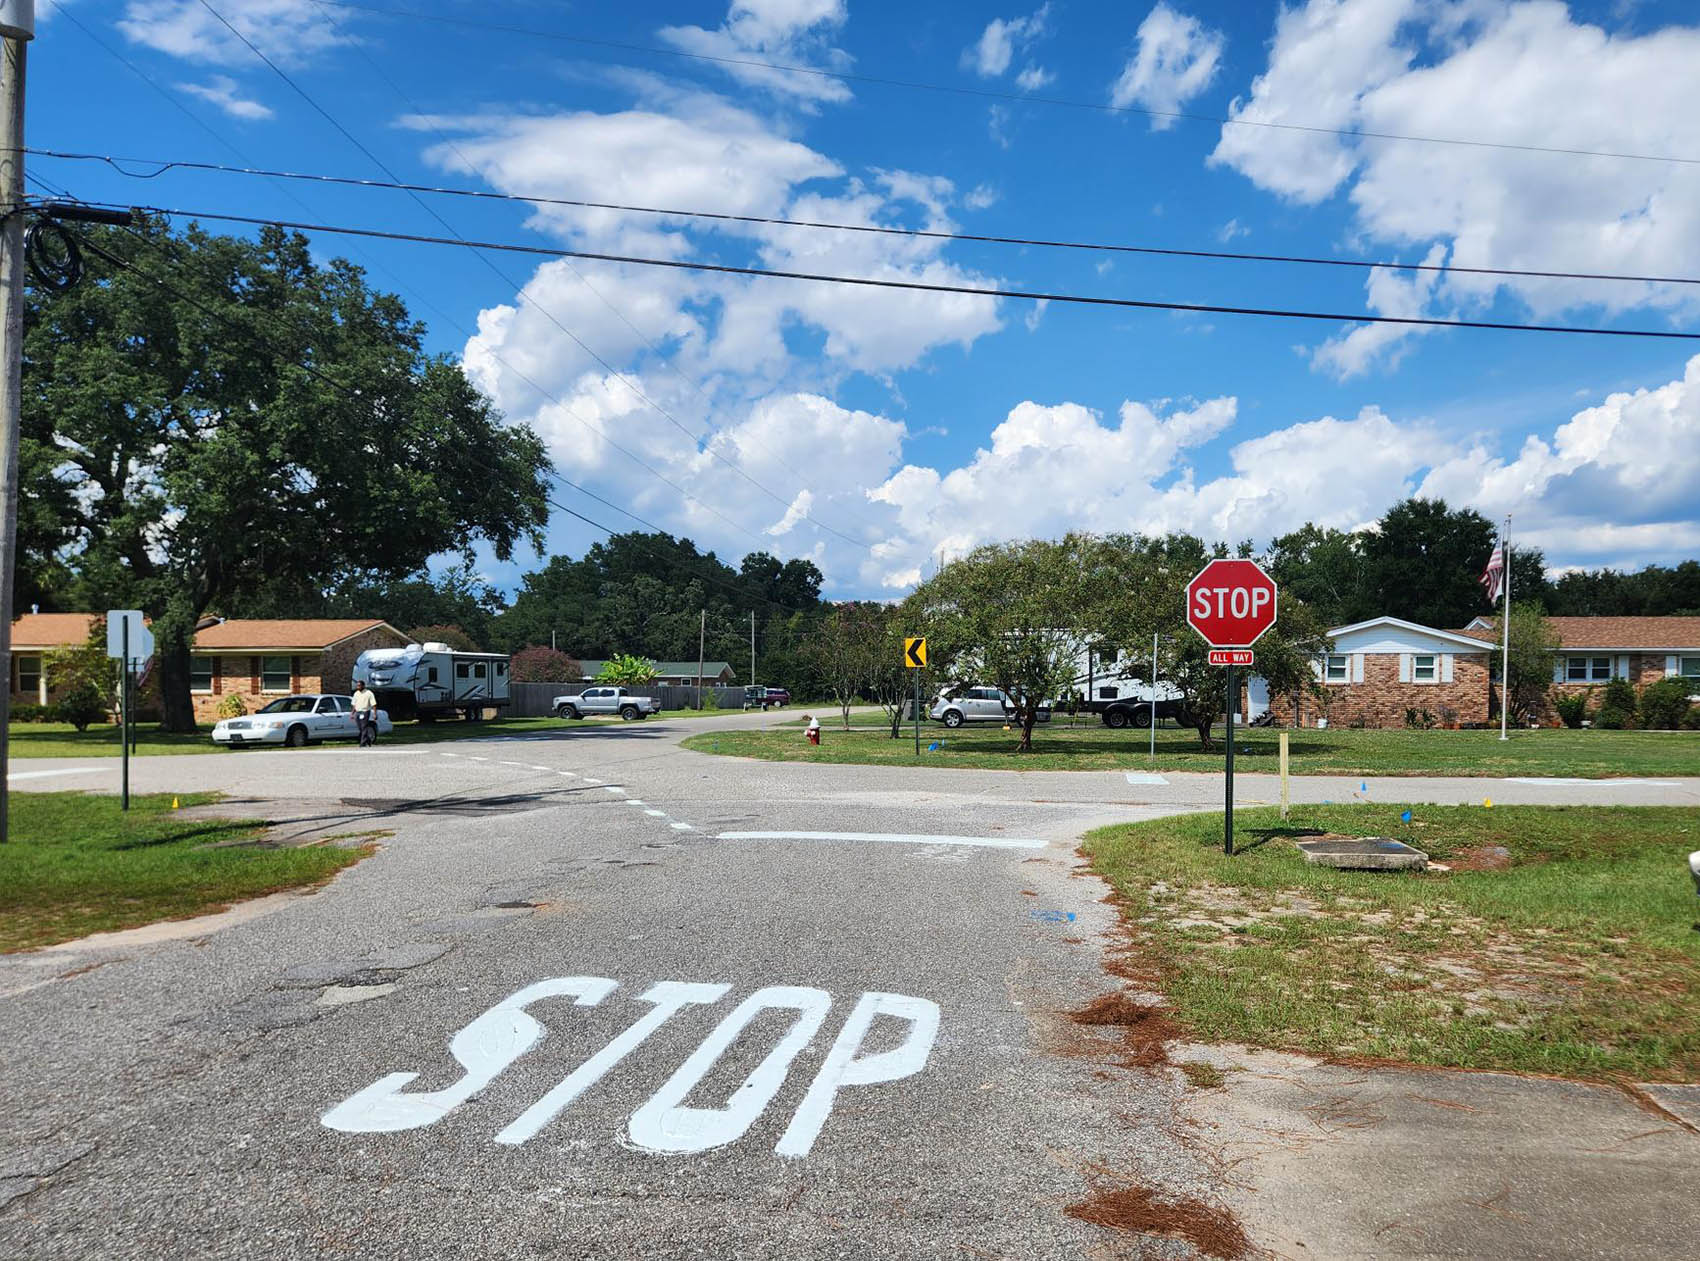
(261, 659)
(1382, 668)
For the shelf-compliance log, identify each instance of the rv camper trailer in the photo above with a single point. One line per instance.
(431, 681)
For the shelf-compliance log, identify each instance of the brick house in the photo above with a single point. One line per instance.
(260, 660)
(34, 635)
(1382, 668)
(1595, 650)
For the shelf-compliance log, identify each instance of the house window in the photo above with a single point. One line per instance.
(1587, 669)
(275, 674)
(29, 676)
(1423, 668)
(1338, 669)
(1689, 667)
(200, 674)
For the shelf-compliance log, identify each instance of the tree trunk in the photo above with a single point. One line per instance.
(1028, 716)
(1203, 722)
(177, 705)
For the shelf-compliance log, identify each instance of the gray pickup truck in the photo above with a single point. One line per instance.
(606, 700)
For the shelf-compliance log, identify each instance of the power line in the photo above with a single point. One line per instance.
(1101, 107)
(163, 165)
(1149, 304)
(549, 315)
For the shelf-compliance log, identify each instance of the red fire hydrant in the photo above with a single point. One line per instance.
(813, 730)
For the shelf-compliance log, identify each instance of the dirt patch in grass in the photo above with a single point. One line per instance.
(1213, 1231)
(1481, 858)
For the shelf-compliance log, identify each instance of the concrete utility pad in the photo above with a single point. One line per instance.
(1363, 853)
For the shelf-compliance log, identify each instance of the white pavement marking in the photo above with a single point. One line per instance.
(484, 1048)
(668, 997)
(1145, 777)
(898, 838)
(79, 770)
(654, 814)
(683, 827)
(540, 768)
(665, 1124)
(1598, 783)
(841, 1068)
(594, 783)
(633, 802)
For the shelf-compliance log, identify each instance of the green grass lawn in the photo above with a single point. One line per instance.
(77, 864)
(1093, 747)
(1575, 952)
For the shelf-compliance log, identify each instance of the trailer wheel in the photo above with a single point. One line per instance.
(628, 712)
(1116, 718)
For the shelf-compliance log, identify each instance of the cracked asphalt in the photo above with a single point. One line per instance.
(290, 1083)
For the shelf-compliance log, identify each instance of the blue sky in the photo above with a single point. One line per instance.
(874, 430)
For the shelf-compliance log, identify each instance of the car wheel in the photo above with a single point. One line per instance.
(1115, 718)
(628, 712)
(296, 737)
(953, 718)
(565, 711)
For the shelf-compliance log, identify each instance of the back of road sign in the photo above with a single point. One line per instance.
(141, 638)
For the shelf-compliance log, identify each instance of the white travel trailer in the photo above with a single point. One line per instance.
(430, 681)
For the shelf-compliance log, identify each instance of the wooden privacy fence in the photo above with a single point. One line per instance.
(537, 700)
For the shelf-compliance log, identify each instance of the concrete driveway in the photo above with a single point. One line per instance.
(598, 996)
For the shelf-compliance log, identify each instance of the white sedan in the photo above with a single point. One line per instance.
(297, 721)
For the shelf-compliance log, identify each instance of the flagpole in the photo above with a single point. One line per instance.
(1505, 649)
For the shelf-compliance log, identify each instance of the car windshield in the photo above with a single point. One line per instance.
(291, 705)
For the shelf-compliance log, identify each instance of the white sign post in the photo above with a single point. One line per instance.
(129, 640)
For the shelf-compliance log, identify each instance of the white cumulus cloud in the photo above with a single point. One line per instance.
(1176, 58)
(787, 32)
(291, 32)
(221, 90)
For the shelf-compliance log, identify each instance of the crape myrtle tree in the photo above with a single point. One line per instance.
(1015, 616)
(227, 413)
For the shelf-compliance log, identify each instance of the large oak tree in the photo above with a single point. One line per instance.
(216, 414)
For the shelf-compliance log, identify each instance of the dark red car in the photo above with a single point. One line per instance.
(778, 696)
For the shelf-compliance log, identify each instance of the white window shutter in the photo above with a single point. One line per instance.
(1671, 667)
(1446, 667)
(1316, 668)
(1357, 662)
(1622, 671)
(1558, 670)
(1404, 667)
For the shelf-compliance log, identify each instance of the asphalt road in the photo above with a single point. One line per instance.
(574, 1008)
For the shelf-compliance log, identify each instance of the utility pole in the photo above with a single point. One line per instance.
(702, 636)
(17, 28)
(753, 651)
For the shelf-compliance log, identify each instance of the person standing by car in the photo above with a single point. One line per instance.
(366, 713)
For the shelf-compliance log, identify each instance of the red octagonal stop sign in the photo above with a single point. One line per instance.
(1230, 603)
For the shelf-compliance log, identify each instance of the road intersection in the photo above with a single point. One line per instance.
(600, 996)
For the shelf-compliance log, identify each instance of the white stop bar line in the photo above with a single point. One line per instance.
(895, 838)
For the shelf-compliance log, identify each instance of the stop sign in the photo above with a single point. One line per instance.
(1230, 603)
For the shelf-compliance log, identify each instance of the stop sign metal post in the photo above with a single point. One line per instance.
(1230, 603)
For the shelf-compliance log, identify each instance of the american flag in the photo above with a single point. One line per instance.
(1493, 577)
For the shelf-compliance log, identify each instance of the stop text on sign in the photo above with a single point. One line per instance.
(1234, 602)
(1230, 603)
(500, 1036)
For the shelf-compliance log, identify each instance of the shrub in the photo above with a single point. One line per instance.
(537, 664)
(1691, 720)
(1573, 709)
(82, 675)
(1421, 719)
(627, 669)
(30, 713)
(81, 704)
(1665, 704)
(232, 706)
(1617, 709)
